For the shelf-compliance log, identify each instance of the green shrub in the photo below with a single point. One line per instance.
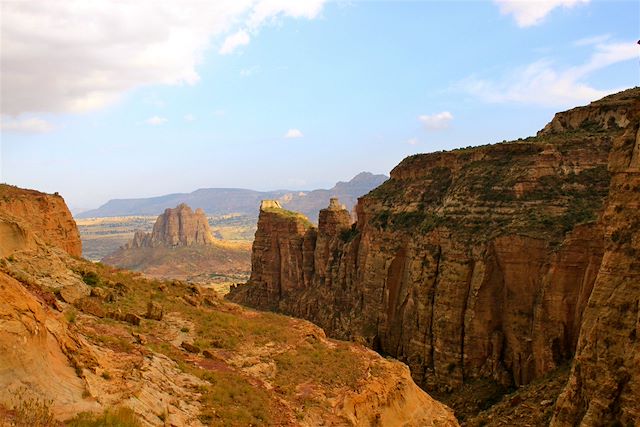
(91, 278)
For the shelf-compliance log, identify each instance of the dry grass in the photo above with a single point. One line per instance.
(112, 417)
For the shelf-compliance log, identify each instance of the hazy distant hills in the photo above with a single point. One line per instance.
(220, 201)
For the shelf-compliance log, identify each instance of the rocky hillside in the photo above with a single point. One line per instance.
(92, 345)
(181, 246)
(494, 264)
(220, 201)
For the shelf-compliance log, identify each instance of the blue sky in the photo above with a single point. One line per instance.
(279, 94)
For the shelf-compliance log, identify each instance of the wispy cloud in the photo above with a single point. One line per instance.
(545, 83)
(189, 118)
(293, 133)
(156, 121)
(588, 41)
(528, 13)
(235, 40)
(247, 72)
(25, 125)
(436, 121)
(413, 141)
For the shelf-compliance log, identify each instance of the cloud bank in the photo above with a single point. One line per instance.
(77, 55)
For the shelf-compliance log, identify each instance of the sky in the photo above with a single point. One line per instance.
(112, 99)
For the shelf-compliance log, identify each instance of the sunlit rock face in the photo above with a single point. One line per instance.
(500, 262)
(176, 227)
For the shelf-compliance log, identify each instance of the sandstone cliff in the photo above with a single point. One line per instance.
(176, 227)
(479, 263)
(45, 215)
(604, 386)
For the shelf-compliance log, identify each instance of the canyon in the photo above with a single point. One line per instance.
(501, 263)
(82, 343)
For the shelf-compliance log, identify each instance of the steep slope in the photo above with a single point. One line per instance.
(470, 265)
(46, 215)
(220, 201)
(77, 336)
(181, 246)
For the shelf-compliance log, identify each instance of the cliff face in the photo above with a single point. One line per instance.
(176, 227)
(475, 263)
(604, 386)
(25, 212)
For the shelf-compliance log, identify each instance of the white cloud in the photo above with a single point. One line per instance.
(247, 72)
(26, 125)
(543, 83)
(412, 141)
(78, 55)
(189, 118)
(156, 121)
(436, 121)
(588, 41)
(293, 133)
(219, 113)
(240, 38)
(532, 12)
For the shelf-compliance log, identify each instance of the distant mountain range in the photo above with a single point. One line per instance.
(220, 201)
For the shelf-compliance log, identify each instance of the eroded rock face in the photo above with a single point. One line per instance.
(474, 263)
(46, 215)
(176, 227)
(604, 385)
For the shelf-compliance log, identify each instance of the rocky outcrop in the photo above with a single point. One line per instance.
(45, 215)
(477, 263)
(37, 352)
(176, 227)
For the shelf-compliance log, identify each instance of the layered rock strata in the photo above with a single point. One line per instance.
(481, 262)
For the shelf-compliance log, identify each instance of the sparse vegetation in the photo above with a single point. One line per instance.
(30, 410)
(231, 400)
(309, 362)
(112, 417)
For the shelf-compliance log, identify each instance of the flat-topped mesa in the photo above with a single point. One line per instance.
(270, 204)
(176, 227)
